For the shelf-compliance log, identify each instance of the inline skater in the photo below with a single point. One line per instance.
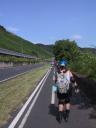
(63, 80)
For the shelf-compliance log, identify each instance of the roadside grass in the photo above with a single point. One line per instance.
(15, 91)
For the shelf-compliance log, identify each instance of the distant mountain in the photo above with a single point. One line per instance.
(48, 48)
(13, 42)
(93, 50)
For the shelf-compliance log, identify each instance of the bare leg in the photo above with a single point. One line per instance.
(68, 106)
(61, 107)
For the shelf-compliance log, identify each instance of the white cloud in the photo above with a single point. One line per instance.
(76, 37)
(12, 29)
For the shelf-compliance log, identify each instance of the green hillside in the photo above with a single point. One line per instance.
(15, 43)
(47, 47)
(92, 50)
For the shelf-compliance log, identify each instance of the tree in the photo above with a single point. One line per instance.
(65, 49)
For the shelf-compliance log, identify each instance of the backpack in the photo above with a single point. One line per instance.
(62, 83)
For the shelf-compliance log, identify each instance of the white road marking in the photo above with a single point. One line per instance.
(16, 119)
(14, 76)
(33, 103)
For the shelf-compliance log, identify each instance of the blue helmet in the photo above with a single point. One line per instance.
(63, 63)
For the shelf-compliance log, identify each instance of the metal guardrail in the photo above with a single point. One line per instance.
(13, 53)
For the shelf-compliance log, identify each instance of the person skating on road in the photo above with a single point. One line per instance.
(64, 79)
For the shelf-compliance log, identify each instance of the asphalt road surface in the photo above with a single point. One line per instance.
(10, 72)
(43, 114)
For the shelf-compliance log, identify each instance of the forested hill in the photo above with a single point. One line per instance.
(46, 47)
(13, 42)
(93, 50)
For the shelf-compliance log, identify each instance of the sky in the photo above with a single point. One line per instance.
(46, 21)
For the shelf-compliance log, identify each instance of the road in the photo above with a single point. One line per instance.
(10, 72)
(43, 115)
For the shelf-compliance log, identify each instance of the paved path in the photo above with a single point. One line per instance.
(43, 115)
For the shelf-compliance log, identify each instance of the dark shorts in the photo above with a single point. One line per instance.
(63, 98)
